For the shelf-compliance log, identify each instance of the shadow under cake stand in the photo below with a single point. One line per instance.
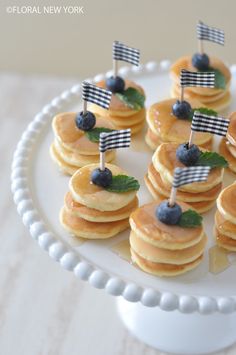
(190, 314)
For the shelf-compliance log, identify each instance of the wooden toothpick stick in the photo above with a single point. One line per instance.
(190, 142)
(200, 46)
(172, 196)
(182, 94)
(102, 161)
(84, 107)
(115, 67)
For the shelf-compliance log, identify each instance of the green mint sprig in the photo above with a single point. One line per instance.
(190, 219)
(203, 110)
(212, 159)
(123, 183)
(94, 133)
(132, 98)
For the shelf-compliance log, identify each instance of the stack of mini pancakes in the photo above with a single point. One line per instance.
(161, 249)
(228, 145)
(164, 127)
(213, 98)
(225, 218)
(200, 196)
(71, 148)
(120, 114)
(92, 212)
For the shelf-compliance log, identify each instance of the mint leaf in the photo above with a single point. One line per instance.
(220, 82)
(190, 219)
(94, 133)
(212, 159)
(204, 110)
(123, 183)
(132, 98)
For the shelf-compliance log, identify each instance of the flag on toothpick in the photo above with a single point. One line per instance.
(96, 95)
(188, 175)
(212, 34)
(211, 124)
(113, 140)
(200, 79)
(125, 53)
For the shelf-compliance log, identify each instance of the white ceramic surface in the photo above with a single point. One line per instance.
(39, 188)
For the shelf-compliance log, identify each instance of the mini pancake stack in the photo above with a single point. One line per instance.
(228, 145)
(225, 218)
(164, 127)
(159, 178)
(92, 212)
(213, 98)
(161, 249)
(120, 114)
(71, 148)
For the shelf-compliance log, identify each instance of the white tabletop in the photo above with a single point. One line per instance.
(44, 309)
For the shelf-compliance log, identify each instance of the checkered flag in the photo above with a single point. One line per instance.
(201, 79)
(184, 176)
(114, 140)
(211, 34)
(211, 124)
(96, 95)
(125, 53)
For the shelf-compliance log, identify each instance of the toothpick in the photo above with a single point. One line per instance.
(172, 196)
(182, 93)
(115, 67)
(84, 107)
(102, 161)
(190, 142)
(200, 46)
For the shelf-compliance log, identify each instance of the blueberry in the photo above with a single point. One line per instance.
(115, 84)
(200, 61)
(181, 109)
(85, 121)
(188, 156)
(101, 178)
(168, 214)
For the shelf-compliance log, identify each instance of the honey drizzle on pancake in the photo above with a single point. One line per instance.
(122, 249)
(218, 259)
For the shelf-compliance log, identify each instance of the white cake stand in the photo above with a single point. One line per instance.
(189, 314)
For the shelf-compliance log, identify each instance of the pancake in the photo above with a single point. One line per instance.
(225, 242)
(153, 141)
(78, 210)
(226, 203)
(91, 230)
(231, 149)
(200, 207)
(223, 150)
(159, 185)
(64, 167)
(186, 63)
(166, 270)
(167, 127)
(165, 161)
(188, 94)
(93, 196)
(74, 139)
(138, 117)
(160, 255)
(225, 227)
(117, 107)
(134, 128)
(231, 133)
(146, 226)
(79, 160)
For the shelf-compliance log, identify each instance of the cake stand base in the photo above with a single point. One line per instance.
(178, 333)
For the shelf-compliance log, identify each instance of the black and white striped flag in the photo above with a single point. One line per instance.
(125, 53)
(211, 124)
(201, 79)
(96, 95)
(114, 140)
(207, 33)
(188, 175)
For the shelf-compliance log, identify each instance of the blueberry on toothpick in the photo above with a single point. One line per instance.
(200, 61)
(181, 109)
(101, 178)
(188, 155)
(85, 120)
(115, 84)
(168, 214)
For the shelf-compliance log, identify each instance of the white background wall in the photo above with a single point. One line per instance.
(81, 44)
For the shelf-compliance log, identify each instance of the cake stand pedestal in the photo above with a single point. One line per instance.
(189, 314)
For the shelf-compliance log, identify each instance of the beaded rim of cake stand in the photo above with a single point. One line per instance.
(60, 252)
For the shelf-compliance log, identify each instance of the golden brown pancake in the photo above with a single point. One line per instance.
(85, 192)
(189, 94)
(90, 214)
(186, 63)
(224, 226)
(74, 139)
(167, 270)
(226, 203)
(223, 150)
(167, 127)
(144, 223)
(200, 207)
(225, 242)
(91, 230)
(138, 117)
(159, 185)
(165, 161)
(64, 167)
(166, 256)
(231, 133)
